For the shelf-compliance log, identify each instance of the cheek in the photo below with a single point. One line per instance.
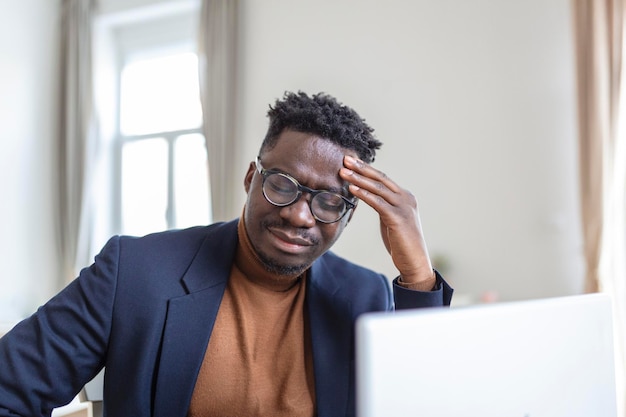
(253, 214)
(331, 234)
(256, 205)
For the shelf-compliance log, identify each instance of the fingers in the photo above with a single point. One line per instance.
(374, 187)
(399, 219)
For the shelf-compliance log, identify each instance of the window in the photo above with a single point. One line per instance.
(159, 167)
(164, 172)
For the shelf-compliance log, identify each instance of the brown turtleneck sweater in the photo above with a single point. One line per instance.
(258, 361)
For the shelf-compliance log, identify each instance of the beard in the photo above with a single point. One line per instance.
(275, 267)
(279, 267)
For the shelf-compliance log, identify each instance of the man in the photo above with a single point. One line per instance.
(252, 317)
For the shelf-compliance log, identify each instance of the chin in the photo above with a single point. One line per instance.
(281, 268)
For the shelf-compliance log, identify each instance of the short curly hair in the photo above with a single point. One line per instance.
(321, 115)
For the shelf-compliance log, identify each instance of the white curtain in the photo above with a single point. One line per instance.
(76, 133)
(217, 71)
(599, 41)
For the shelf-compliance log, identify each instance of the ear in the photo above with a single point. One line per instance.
(249, 176)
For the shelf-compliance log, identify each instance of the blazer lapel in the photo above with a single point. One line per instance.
(330, 320)
(190, 320)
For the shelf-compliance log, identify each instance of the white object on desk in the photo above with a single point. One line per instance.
(76, 408)
(550, 357)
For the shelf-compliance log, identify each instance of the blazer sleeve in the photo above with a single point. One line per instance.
(46, 359)
(405, 298)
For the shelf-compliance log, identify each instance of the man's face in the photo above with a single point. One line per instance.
(288, 239)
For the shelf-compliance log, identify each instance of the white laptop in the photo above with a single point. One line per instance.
(539, 358)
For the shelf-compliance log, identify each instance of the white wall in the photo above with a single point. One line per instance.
(28, 45)
(475, 103)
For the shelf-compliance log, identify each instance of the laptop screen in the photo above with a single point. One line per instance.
(539, 358)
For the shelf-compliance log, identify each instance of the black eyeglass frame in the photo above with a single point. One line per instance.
(350, 205)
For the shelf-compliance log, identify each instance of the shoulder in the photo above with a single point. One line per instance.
(181, 239)
(340, 266)
(166, 254)
(339, 276)
(172, 244)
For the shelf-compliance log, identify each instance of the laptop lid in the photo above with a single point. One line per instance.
(539, 358)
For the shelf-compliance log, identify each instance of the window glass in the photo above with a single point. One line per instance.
(160, 95)
(144, 186)
(191, 181)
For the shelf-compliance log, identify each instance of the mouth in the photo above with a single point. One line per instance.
(289, 242)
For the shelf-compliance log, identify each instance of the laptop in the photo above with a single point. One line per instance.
(539, 358)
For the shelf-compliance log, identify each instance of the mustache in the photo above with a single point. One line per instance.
(297, 231)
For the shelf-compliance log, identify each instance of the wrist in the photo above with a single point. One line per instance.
(421, 282)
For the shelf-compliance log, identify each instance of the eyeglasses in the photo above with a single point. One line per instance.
(282, 190)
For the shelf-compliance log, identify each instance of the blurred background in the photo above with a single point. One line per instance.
(475, 102)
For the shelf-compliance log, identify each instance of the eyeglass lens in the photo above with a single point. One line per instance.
(281, 190)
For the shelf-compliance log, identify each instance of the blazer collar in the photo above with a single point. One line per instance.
(212, 263)
(189, 321)
(330, 320)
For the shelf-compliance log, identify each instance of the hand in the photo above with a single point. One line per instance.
(400, 225)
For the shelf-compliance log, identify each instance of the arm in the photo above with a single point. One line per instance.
(46, 359)
(400, 229)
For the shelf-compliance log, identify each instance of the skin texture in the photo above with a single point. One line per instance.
(288, 239)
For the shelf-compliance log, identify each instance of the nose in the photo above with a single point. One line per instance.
(299, 213)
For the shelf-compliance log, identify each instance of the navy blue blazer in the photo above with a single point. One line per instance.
(145, 310)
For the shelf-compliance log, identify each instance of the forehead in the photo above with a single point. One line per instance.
(305, 156)
(312, 160)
